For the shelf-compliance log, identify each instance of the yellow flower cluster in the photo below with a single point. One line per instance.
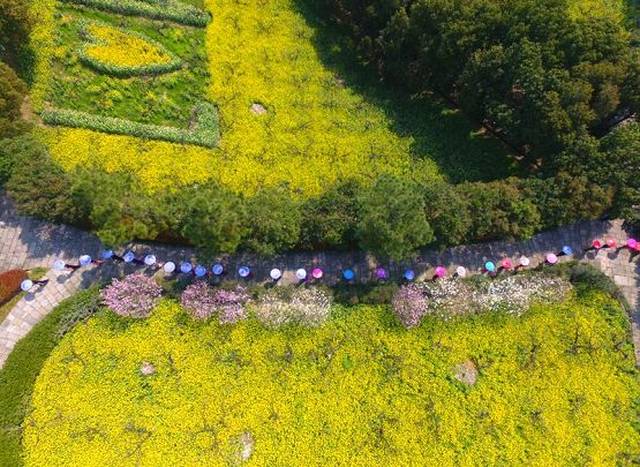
(115, 47)
(614, 9)
(555, 386)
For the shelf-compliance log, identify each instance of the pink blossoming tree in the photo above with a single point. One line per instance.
(134, 296)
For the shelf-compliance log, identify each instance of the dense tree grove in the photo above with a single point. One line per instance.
(534, 71)
(15, 26)
(392, 218)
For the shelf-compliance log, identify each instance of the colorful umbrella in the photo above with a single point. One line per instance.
(275, 274)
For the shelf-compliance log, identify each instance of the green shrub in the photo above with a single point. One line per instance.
(12, 92)
(41, 188)
(15, 27)
(448, 212)
(77, 310)
(273, 221)
(499, 210)
(565, 199)
(212, 218)
(587, 279)
(329, 221)
(392, 221)
(204, 132)
(13, 149)
(117, 207)
(370, 293)
(171, 10)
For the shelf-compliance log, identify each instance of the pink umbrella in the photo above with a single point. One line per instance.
(441, 271)
(596, 244)
(552, 258)
(317, 273)
(506, 264)
(632, 243)
(611, 243)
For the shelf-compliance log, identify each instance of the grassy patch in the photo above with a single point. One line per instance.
(554, 386)
(6, 308)
(19, 374)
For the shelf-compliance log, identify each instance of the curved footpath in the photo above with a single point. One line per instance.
(27, 243)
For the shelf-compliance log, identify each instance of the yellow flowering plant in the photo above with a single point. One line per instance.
(122, 53)
(555, 386)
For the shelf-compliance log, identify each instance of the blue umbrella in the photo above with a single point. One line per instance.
(185, 267)
(217, 269)
(244, 271)
(489, 266)
(348, 274)
(567, 250)
(107, 254)
(200, 271)
(85, 260)
(129, 257)
(409, 275)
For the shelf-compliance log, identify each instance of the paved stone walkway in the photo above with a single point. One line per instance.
(27, 243)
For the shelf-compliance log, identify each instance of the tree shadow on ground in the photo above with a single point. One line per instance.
(462, 151)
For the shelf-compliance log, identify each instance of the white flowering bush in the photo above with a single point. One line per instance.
(450, 297)
(307, 307)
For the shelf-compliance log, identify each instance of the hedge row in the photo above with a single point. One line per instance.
(390, 216)
(171, 10)
(123, 71)
(205, 132)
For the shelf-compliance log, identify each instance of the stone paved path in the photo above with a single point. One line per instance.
(27, 243)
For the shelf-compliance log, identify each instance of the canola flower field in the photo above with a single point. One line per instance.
(322, 122)
(359, 390)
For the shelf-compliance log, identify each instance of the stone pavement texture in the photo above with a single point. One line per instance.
(27, 243)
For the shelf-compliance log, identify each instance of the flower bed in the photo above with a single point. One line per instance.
(552, 386)
(118, 52)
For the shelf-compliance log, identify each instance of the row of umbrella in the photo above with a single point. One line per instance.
(218, 270)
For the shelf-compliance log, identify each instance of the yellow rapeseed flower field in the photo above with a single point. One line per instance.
(556, 386)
